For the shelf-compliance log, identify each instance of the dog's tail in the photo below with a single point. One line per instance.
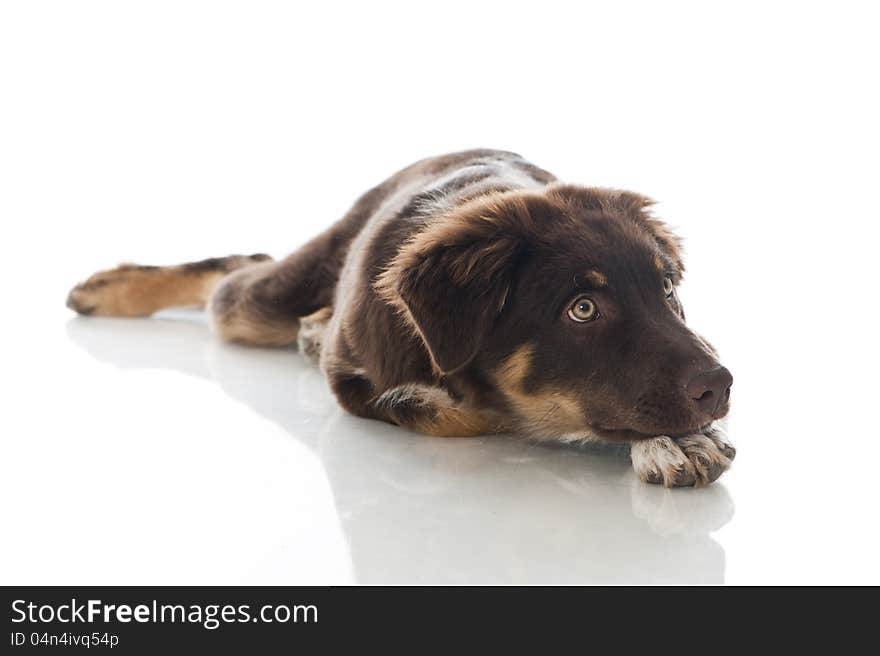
(132, 290)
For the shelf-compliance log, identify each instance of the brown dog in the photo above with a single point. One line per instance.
(472, 293)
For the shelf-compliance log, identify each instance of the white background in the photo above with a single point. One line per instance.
(156, 132)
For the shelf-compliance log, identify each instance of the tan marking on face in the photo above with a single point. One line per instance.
(515, 368)
(554, 412)
(660, 264)
(597, 278)
(547, 412)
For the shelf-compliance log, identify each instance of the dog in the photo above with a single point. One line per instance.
(473, 293)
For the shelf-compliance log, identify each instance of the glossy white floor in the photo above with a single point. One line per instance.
(145, 451)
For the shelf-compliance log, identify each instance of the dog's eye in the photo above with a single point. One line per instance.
(668, 286)
(583, 310)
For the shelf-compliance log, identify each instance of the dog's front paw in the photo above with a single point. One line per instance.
(697, 459)
(661, 460)
(719, 437)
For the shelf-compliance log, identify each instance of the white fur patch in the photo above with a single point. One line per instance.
(414, 393)
(661, 460)
(690, 460)
(577, 437)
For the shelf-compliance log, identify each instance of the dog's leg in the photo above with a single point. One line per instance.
(430, 410)
(311, 333)
(251, 300)
(697, 459)
(422, 408)
(242, 294)
(131, 290)
(245, 309)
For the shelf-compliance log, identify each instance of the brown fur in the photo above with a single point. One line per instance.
(439, 302)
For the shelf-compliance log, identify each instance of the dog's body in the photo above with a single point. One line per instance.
(471, 293)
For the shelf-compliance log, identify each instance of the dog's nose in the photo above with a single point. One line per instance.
(710, 389)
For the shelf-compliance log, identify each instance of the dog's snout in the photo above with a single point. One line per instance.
(710, 390)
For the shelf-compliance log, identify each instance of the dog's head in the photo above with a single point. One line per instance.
(563, 302)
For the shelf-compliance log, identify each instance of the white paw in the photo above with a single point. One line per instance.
(697, 459)
(310, 338)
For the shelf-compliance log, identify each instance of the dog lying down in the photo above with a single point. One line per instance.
(473, 293)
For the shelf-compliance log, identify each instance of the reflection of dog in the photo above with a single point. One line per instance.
(469, 294)
(416, 510)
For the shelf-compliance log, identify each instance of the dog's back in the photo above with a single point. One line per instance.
(404, 206)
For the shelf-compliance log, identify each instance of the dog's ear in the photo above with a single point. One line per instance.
(453, 297)
(451, 280)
